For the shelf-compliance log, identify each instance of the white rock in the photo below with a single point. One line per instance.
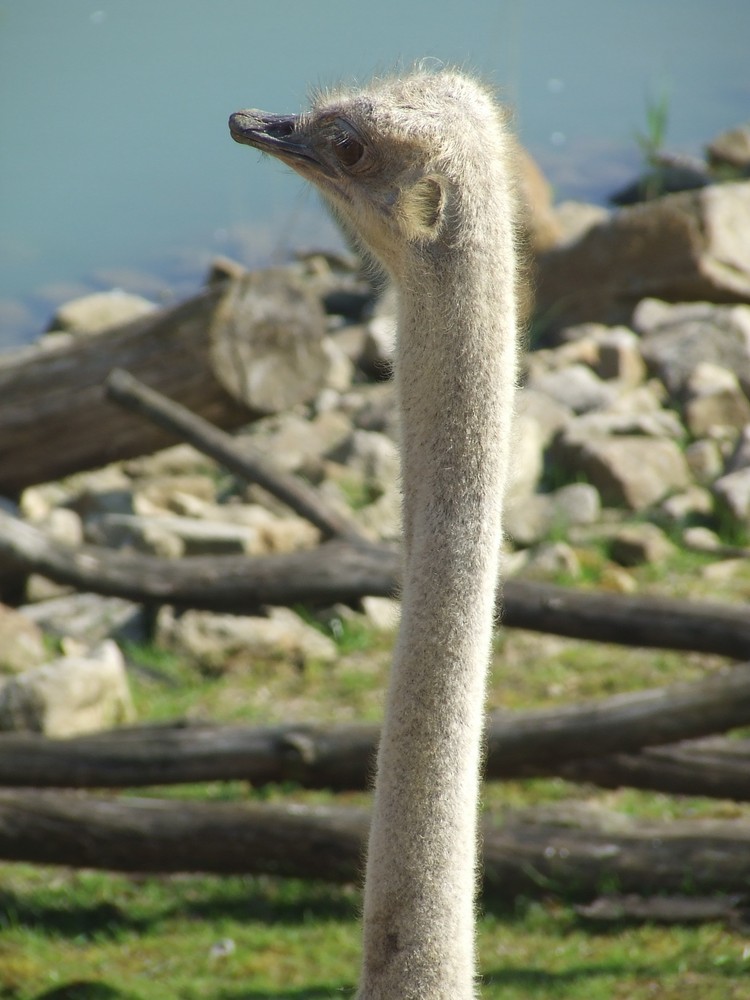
(382, 612)
(97, 312)
(219, 643)
(634, 544)
(89, 618)
(704, 459)
(70, 696)
(732, 493)
(21, 642)
(575, 386)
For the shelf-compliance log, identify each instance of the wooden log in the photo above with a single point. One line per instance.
(594, 741)
(715, 767)
(347, 571)
(55, 419)
(327, 843)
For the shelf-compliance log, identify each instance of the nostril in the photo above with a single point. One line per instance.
(280, 127)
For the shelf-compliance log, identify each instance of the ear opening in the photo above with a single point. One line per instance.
(422, 206)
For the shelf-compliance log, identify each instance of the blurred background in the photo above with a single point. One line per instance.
(116, 166)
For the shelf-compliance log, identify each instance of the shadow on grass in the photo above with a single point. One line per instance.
(278, 903)
(270, 903)
(67, 921)
(327, 992)
(531, 979)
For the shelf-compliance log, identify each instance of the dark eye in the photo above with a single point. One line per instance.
(348, 149)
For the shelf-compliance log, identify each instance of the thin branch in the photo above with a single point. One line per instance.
(245, 461)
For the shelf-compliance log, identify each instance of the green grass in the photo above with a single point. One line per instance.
(167, 938)
(158, 938)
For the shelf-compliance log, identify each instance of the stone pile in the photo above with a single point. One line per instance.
(633, 430)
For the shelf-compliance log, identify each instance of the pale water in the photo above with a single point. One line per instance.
(116, 166)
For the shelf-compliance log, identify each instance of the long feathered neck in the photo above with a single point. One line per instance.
(455, 378)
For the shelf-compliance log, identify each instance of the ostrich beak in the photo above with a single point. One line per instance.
(279, 135)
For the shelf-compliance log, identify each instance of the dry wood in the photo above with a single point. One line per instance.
(715, 767)
(677, 909)
(244, 461)
(594, 741)
(152, 835)
(347, 571)
(55, 419)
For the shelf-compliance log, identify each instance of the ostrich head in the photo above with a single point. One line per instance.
(399, 161)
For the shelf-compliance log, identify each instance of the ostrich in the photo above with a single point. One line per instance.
(417, 168)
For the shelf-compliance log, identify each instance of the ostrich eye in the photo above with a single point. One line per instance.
(348, 149)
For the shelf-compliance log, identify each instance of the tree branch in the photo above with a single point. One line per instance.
(244, 461)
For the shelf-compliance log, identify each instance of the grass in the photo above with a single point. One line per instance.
(190, 937)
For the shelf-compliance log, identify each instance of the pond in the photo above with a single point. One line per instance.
(116, 167)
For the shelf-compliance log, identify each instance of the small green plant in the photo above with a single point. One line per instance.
(650, 141)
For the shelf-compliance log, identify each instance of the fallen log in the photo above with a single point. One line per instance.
(54, 415)
(715, 768)
(595, 741)
(347, 571)
(327, 843)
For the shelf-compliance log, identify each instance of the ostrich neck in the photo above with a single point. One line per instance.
(455, 377)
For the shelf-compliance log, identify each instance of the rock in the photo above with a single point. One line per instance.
(529, 519)
(38, 502)
(171, 493)
(224, 269)
(731, 149)
(678, 338)
(383, 613)
(667, 176)
(714, 399)
(704, 460)
(683, 247)
(732, 493)
(266, 340)
(340, 367)
(575, 218)
(179, 460)
(21, 642)
(97, 312)
(628, 471)
(296, 443)
(218, 643)
(634, 544)
(575, 386)
(539, 221)
(740, 457)
(619, 356)
(63, 526)
(532, 518)
(552, 560)
(695, 501)
(547, 414)
(72, 695)
(89, 618)
(576, 504)
(174, 536)
(701, 539)
(382, 518)
(528, 464)
(373, 455)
